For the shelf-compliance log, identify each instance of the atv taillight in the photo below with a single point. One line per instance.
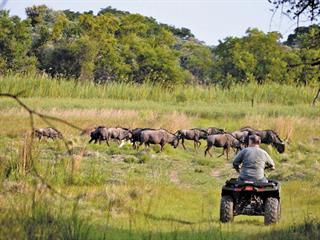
(248, 188)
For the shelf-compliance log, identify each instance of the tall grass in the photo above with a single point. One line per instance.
(130, 194)
(43, 86)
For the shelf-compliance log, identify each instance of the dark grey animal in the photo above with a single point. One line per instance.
(225, 141)
(99, 134)
(102, 133)
(47, 132)
(271, 137)
(214, 130)
(191, 134)
(248, 129)
(161, 137)
(119, 134)
(136, 135)
(240, 135)
(267, 137)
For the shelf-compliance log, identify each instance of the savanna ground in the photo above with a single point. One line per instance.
(102, 192)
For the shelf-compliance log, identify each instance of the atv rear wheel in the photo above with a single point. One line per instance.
(279, 211)
(226, 209)
(271, 211)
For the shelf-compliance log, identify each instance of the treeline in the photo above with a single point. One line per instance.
(116, 46)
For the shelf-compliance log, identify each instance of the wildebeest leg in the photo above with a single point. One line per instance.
(182, 142)
(237, 150)
(89, 141)
(147, 145)
(198, 144)
(208, 150)
(227, 150)
(161, 147)
(137, 147)
(222, 153)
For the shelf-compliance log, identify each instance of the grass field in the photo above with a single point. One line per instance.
(102, 192)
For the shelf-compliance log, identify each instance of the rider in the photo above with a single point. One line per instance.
(254, 160)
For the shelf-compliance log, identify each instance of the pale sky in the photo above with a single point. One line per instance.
(209, 20)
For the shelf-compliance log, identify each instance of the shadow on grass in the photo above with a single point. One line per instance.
(175, 220)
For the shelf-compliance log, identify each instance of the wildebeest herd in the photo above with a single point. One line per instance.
(215, 137)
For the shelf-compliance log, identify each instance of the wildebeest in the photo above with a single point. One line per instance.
(191, 134)
(271, 137)
(136, 135)
(225, 141)
(119, 134)
(103, 133)
(48, 132)
(160, 137)
(240, 135)
(213, 130)
(267, 136)
(248, 129)
(99, 134)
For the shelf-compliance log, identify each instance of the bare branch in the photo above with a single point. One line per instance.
(46, 119)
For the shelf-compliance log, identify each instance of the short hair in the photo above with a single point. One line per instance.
(255, 139)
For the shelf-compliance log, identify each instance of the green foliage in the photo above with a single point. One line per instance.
(197, 59)
(15, 42)
(260, 57)
(305, 37)
(116, 46)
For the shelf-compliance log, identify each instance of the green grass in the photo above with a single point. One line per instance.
(121, 193)
(43, 86)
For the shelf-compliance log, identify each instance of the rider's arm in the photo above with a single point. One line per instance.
(269, 162)
(237, 161)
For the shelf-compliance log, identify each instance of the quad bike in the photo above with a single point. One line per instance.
(250, 198)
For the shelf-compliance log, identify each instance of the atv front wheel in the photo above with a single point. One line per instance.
(271, 211)
(226, 209)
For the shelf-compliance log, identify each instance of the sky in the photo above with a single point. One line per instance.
(209, 20)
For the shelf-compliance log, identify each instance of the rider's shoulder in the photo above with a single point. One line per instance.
(255, 149)
(262, 150)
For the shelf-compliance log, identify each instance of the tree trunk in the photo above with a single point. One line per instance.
(316, 98)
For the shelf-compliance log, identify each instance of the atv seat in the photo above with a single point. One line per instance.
(256, 184)
(239, 183)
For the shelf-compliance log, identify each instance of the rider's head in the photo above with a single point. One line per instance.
(254, 140)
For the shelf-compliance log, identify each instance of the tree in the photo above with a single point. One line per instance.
(259, 57)
(197, 59)
(15, 44)
(296, 8)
